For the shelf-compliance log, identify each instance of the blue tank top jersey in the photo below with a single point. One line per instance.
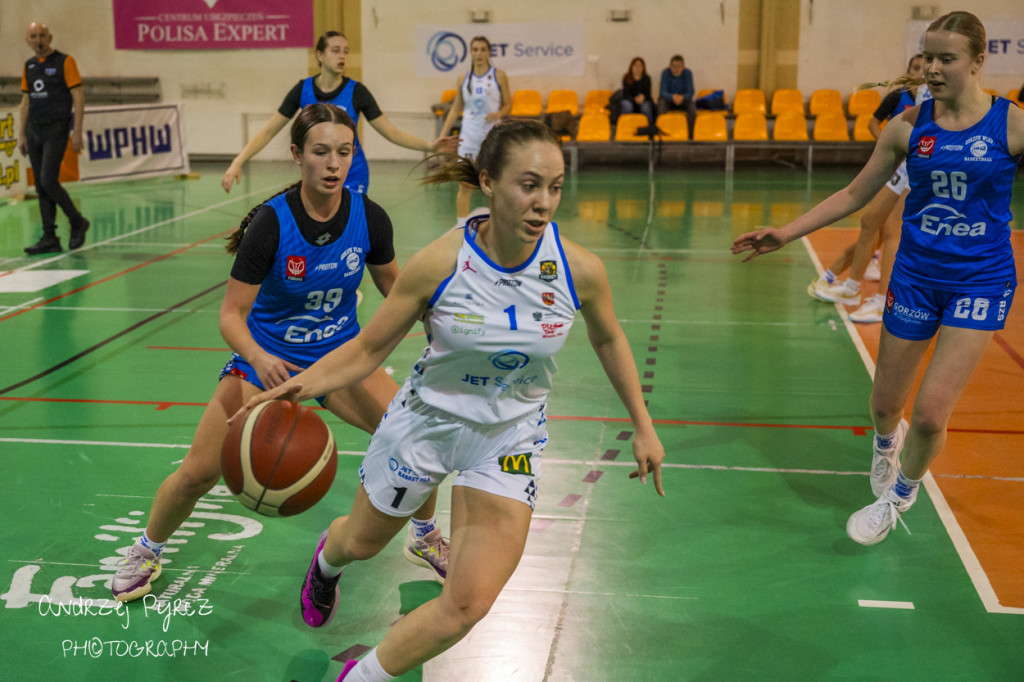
(956, 224)
(358, 178)
(306, 305)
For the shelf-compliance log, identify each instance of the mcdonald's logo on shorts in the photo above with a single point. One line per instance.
(516, 464)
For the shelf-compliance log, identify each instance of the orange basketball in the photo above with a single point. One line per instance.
(280, 460)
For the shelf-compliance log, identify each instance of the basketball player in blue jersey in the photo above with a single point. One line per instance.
(332, 86)
(483, 97)
(291, 298)
(498, 298)
(954, 275)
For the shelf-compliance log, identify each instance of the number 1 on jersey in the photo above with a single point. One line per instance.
(511, 310)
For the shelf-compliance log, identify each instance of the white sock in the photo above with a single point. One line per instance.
(852, 285)
(830, 276)
(461, 220)
(884, 442)
(154, 547)
(326, 569)
(904, 487)
(368, 670)
(878, 298)
(421, 528)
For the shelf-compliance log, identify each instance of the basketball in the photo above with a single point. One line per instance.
(280, 460)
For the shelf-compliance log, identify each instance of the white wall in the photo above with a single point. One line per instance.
(841, 46)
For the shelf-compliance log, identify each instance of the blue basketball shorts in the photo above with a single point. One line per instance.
(238, 367)
(915, 313)
(416, 446)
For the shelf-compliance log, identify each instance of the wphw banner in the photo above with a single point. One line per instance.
(125, 142)
(516, 49)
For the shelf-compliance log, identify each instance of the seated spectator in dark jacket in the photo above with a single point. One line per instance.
(636, 90)
(676, 92)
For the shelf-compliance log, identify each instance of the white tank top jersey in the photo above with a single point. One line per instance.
(493, 332)
(481, 94)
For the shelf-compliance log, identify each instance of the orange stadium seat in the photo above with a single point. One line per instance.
(861, 131)
(627, 125)
(710, 128)
(790, 126)
(787, 100)
(526, 103)
(831, 127)
(825, 100)
(863, 102)
(563, 100)
(594, 128)
(596, 101)
(673, 126)
(751, 126)
(749, 100)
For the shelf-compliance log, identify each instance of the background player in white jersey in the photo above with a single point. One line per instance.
(315, 221)
(954, 275)
(483, 97)
(507, 282)
(333, 86)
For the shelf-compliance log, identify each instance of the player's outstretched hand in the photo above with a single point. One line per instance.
(446, 145)
(232, 176)
(289, 390)
(648, 453)
(765, 240)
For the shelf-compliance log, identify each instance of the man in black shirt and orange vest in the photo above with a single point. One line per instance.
(52, 105)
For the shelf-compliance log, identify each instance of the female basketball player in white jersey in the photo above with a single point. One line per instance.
(954, 274)
(331, 85)
(276, 277)
(483, 98)
(497, 298)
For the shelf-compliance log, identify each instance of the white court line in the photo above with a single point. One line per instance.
(141, 230)
(878, 604)
(953, 529)
(26, 304)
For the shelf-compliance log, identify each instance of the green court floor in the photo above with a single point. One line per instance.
(743, 572)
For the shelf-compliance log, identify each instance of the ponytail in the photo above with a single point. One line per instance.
(235, 238)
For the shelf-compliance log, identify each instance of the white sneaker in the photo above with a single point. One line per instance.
(840, 292)
(872, 524)
(818, 287)
(135, 572)
(871, 311)
(873, 273)
(885, 462)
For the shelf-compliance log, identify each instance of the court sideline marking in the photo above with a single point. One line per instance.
(979, 578)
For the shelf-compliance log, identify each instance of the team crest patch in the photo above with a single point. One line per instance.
(925, 146)
(295, 270)
(548, 297)
(548, 270)
(516, 464)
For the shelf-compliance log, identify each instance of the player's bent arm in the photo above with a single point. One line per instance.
(78, 115)
(453, 113)
(612, 348)
(1015, 130)
(234, 313)
(384, 276)
(383, 125)
(252, 148)
(506, 94)
(358, 358)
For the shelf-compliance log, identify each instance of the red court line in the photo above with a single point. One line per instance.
(116, 275)
(1005, 345)
(856, 430)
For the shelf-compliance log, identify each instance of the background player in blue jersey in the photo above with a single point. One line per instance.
(290, 299)
(331, 85)
(954, 274)
(483, 97)
(504, 281)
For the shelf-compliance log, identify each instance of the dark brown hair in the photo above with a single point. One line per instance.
(310, 116)
(494, 152)
(628, 78)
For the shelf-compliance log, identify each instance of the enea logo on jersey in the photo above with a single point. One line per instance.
(295, 269)
(925, 146)
(548, 270)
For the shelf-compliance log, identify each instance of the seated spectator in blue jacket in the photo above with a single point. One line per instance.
(676, 92)
(636, 90)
